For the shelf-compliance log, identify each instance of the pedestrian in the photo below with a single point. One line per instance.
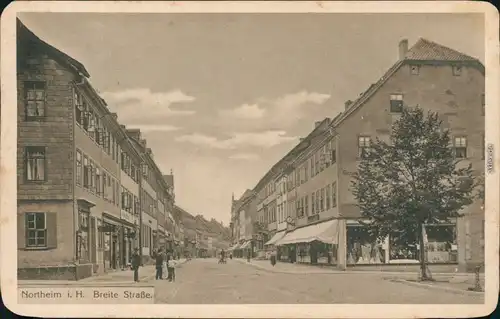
(159, 257)
(169, 256)
(136, 263)
(172, 263)
(249, 255)
(273, 258)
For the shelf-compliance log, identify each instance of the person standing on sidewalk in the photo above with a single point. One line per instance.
(136, 263)
(172, 263)
(159, 263)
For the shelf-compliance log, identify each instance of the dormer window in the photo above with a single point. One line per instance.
(457, 70)
(414, 69)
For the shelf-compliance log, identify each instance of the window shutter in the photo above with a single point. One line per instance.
(21, 230)
(51, 224)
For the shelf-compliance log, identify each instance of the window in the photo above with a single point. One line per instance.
(457, 70)
(396, 103)
(333, 156)
(79, 107)
(460, 147)
(312, 167)
(322, 200)
(34, 100)
(363, 146)
(36, 230)
(305, 171)
(92, 176)
(483, 104)
(78, 168)
(313, 201)
(316, 164)
(98, 182)
(86, 172)
(104, 186)
(414, 69)
(318, 208)
(35, 164)
(306, 205)
(327, 194)
(334, 194)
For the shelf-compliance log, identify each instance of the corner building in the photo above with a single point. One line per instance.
(324, 227)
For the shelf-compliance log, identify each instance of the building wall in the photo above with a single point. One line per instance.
(54, 131)
(458, 101)
(64, 251)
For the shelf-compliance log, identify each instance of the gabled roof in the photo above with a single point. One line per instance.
(24, 33)
(425, 50)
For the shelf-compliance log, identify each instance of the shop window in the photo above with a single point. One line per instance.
(34, 100)
(362, 248)
(35, 163)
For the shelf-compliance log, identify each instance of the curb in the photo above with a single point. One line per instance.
(431, 287)
(351, 272)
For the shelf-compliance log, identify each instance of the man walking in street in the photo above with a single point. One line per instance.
(159, 257)
(136, 263)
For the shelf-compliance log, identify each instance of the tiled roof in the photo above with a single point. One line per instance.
(425, 50)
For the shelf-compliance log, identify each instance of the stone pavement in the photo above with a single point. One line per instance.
(119, 277)
(204, 281)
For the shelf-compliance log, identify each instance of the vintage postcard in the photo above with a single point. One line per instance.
(250, 159)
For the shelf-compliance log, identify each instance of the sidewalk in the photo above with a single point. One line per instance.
(288, 268)
(116, 278)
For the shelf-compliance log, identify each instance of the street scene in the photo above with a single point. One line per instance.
(205, 281)
(253, 159)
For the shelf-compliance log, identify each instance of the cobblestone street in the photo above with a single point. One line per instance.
(204, 281)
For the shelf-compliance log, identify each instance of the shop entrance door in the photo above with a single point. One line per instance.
(113, 254)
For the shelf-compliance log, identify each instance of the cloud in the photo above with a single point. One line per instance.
(244, 156)
(149, 105)
(281, 112)
(265, 139)
(245, 111)
(154, 128)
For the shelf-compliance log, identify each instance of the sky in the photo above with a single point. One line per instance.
(221, 98)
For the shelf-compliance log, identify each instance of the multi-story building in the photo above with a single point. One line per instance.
(326, 227)
(69, 176)
(80, 187)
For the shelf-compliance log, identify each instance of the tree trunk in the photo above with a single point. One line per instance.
(424, 270)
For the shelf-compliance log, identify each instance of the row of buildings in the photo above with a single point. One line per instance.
(89, 189)
(303, 205)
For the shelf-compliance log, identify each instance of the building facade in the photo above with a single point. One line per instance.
(79, 172)
(324, 225)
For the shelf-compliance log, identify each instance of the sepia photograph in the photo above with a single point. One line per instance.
(312, 155)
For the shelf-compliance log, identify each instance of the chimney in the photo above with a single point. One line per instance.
(114, 115)
(316, 124)
(403, 48)
(347, 104)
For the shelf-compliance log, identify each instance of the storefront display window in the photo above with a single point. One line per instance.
(362, 248)
(83, 235)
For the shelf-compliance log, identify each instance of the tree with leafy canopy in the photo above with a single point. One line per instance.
(412, 181)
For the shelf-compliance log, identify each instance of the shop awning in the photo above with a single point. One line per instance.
(245, 245)
(275, 238)
(237, 246)
(326, 232)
